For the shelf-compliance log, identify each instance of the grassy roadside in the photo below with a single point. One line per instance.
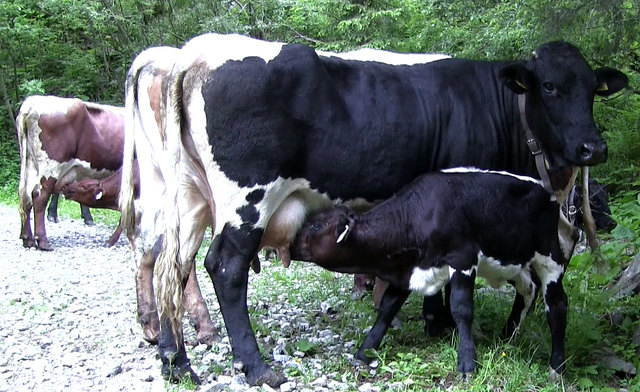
(410, 361)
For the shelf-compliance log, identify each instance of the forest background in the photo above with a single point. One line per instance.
(83, 48)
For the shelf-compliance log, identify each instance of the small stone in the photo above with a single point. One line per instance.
(288, 386)
(115, 371)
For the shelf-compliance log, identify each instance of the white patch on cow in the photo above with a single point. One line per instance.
(468, 272)
(429, 281)
(504, 173)
(383, 56)
(99, 195)
(495, 272)
(548, 270)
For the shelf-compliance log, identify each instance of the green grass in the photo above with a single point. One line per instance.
(408, 360)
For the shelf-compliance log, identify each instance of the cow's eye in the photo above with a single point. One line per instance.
(549, 88)
(315, 226)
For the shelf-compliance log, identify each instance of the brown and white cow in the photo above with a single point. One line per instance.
(145, 139)
(62, 140)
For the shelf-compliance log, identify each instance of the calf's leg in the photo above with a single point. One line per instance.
(526, 285)
(390, 304)
(85, 213)
(52, 211)
(436, 314)
(227, 263)
(462, 312)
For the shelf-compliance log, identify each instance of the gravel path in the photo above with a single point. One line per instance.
(68, 321)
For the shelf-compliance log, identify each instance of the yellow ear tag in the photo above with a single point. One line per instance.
(602, 88)
(519, 83)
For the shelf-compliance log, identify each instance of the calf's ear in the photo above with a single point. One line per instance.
(610, 81)
(517, 78)
(343, 229)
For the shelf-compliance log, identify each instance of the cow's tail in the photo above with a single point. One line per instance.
(169, 270)
(127, 190)
(24, 196)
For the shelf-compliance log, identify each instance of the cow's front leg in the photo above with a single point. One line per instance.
(390, 304)
(227, 263)
(462, 312)
(85, 213)
(52, 211)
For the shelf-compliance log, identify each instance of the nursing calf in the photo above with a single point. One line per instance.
(444, 228)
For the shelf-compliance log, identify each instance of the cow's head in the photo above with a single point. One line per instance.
(559, 87)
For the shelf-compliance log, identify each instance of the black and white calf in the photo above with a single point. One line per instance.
(444, 228)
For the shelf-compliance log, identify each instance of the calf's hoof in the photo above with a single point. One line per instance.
(89, 222)
(268, 376)
(435, 328)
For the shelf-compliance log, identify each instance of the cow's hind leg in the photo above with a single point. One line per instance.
(26, 235)
(85, 213)
(227, 263)
(52, 211)
(147, 309)
(40, 200)
(196, 307)
(390, 304)
(462, 311)
(175, 363)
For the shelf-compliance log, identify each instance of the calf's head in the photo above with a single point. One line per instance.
(88, 192)
(559, 87)
(325, 239)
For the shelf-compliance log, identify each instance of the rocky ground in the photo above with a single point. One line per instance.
(68, 321)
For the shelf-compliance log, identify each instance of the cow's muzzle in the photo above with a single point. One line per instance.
(592, 153)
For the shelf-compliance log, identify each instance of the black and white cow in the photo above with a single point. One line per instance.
(269, 132)
(446, 228)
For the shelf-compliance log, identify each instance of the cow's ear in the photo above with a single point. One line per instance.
(343, 229)
(517, 78)
(610, 81)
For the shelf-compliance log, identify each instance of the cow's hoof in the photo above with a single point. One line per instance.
(208, 336)
(89, 223)
(176, 374)
(44, 245)
(52, 218)
(269, 377)
(150, 336)
(29, 243)
(554, 375)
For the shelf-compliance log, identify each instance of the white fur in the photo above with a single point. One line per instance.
(383, 56)
(504, 173)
